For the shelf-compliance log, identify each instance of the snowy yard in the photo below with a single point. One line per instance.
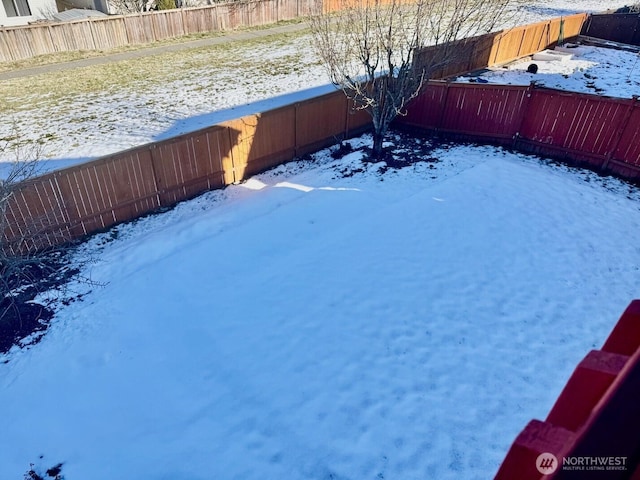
(329, 319)
(588, 69)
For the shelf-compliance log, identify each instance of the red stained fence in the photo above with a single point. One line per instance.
(598, 132)
(596, 416)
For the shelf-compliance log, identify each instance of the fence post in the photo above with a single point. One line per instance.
(51, 47)
(620, 131)
(524, 112)
(443, 107)
(157, 180)
(93, 36)
(524, 34)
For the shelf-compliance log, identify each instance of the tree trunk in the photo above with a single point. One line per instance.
(378, 137)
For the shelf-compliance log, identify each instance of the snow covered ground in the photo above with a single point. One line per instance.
(85, 113)
(329, 319)
(588, 69)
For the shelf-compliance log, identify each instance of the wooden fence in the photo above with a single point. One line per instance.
(617, 27)
(595, 422)
(589, 130)
(500, 47)
(103, 33)
(74, 202)
(19, 43)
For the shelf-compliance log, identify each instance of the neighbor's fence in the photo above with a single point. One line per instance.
(501, 47)
(71, 203)
(19, 43)
(594, 419)
(599, 132)
(617, 27)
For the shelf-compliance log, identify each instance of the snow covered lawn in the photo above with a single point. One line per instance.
(603, 71)
(329, 319)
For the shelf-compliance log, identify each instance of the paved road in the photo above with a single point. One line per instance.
(232, 36)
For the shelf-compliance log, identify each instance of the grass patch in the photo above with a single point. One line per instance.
(64, 57)
(55, 89)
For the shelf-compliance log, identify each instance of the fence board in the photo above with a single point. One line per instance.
(426, 110)
(320, 119)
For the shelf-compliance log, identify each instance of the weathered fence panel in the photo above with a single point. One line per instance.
(35, 40)
(263, 141)
(138, 29)
(427, 110)
(490, 110)
(581, 125)
(628, 147)
(617, 27)
(493, 111)
(108, 191)
(191, 164)
(199, 20)
(71, 36)
(36, 216)
(326, 120)
(109, 32)
(167, 24)
(320, 119)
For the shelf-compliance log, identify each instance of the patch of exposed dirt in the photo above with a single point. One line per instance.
(23, 319)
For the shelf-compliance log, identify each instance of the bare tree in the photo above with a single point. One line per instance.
(33, 259)
(374, 50)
